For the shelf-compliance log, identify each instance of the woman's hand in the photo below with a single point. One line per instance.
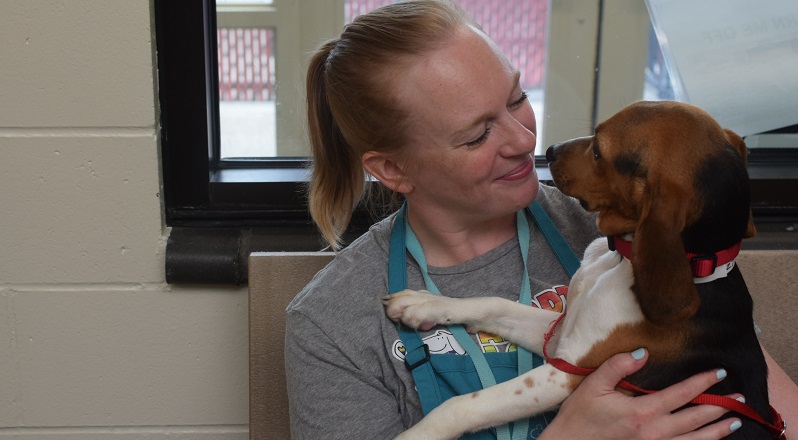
(597, 411)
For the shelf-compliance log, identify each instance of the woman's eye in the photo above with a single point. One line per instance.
(480, 140)
(517, 103)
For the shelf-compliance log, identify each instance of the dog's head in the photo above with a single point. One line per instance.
(667, 173)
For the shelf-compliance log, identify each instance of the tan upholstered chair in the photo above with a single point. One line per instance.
(274, 279)
(772, 279)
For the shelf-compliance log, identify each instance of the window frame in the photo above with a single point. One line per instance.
(198, 188)
(201, 191)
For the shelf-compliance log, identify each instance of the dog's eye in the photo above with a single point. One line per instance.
(596, 152)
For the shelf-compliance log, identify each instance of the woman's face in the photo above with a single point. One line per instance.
(471, 131)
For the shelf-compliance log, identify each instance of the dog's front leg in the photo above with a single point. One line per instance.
(534, 392)
(518, 323)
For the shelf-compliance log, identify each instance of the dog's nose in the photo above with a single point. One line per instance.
(551, 153)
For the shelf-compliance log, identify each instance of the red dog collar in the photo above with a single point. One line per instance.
(703, 265)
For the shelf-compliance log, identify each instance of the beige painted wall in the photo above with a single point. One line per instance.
(93, 343)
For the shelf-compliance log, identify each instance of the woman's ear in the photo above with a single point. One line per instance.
(387, 170)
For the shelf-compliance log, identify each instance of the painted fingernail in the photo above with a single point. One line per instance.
(735, 425)
(740, 399)
(721, 374)
(639, 354)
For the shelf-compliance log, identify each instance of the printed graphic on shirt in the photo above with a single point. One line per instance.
(494, 343)
(551, 299)
(442, 341)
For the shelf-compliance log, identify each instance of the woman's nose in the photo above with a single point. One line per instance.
(523, 140)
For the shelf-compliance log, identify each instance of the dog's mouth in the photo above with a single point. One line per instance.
(564, 187)
(587, 205)
(571, 188)
(601, 206)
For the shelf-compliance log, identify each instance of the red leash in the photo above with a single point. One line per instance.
(777, 429)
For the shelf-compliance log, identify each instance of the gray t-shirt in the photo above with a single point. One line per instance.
(344, 365)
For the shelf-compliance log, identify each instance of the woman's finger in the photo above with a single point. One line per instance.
(680, 394)
(714, 431)
(694, 417)
(616, 368)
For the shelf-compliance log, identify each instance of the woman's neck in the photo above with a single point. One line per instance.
(447, 241)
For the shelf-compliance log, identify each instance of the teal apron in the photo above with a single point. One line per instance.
(443, 376)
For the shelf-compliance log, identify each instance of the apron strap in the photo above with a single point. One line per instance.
(397, 260)
(416, 351)
(567, 257)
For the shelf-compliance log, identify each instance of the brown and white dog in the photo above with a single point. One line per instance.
(666, 177)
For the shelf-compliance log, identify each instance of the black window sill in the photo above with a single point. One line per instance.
(216, 251)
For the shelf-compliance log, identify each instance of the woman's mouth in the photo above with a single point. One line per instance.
(521, 172)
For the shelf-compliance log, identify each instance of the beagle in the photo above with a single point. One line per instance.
(671, 190)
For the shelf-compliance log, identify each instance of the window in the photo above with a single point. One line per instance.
(598, 56)
(261, 48)
(234, 142)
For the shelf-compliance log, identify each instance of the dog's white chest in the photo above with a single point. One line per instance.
(600, 299)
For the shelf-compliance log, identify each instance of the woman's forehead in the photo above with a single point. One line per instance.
(457, 81)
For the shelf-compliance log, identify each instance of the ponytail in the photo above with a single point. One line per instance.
(337, 177)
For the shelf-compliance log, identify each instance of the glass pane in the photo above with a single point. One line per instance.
(738, 62)
(657, 85)
(246, 92)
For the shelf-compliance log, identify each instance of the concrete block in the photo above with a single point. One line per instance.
(80, 210)
(82, 63)
(10, 410)
(139, 357)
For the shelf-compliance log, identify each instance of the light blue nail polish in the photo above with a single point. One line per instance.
(639, 354)
(735, 425)
(741, 399)
(721, 374)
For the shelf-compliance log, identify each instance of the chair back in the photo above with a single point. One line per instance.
(274, 279)
(772, 279)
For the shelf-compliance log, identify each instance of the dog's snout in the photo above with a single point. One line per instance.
(551, 153)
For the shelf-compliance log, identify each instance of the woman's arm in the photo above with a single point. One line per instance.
(597, 411)
(783, 394)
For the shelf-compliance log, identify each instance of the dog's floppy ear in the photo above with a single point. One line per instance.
(663, 278)
(739, 144)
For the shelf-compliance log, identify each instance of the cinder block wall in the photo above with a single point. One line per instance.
(93, 343)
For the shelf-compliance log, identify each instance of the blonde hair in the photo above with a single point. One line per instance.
(350, 101)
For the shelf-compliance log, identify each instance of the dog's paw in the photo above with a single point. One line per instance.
(417, 309)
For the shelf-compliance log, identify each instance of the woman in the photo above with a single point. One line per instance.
(415, 95)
